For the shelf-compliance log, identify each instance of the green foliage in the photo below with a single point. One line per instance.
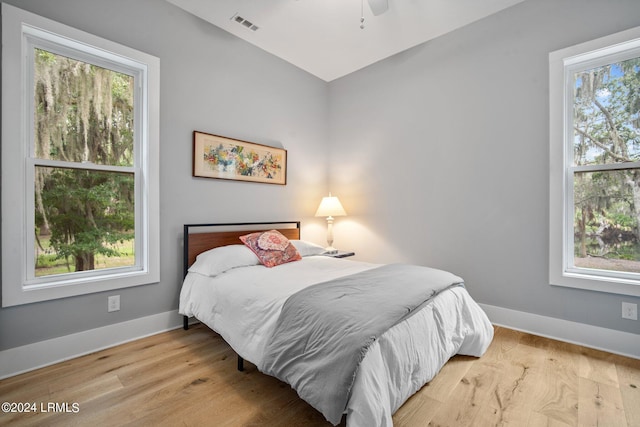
(623, 221)
(607, 130)
(49, 262)
(84, 115)
(87, 211)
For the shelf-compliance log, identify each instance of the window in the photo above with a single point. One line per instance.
(79, 162)
(595, 165)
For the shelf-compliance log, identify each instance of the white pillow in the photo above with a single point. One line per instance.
(218, 260)
(307, 248)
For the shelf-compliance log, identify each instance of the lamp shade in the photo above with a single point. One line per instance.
(330, 206)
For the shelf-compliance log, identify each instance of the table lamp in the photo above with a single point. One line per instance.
(330, 206)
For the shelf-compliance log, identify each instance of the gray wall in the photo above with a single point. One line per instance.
(442, 154)
(212, 82)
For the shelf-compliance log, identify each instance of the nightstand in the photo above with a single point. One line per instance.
(339, 254)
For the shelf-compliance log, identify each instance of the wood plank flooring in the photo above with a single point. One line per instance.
(189, 378)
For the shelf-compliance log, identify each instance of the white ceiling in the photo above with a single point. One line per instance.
(324, 37)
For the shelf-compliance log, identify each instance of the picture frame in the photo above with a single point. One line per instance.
(220, 157)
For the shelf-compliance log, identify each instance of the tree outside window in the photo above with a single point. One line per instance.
(83, 120)
(605, 171)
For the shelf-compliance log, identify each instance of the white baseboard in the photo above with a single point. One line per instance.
(610, 340)
(26, 358)
(17, 360)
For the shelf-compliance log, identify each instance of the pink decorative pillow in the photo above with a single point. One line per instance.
(271, 247)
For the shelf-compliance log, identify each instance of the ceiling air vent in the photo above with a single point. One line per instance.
(245, 23)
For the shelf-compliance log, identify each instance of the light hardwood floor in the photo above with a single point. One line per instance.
(189, 378)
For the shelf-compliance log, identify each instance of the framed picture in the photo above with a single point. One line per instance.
(225, 158)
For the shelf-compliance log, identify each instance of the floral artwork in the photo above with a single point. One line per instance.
(225, 158)
(234, 158)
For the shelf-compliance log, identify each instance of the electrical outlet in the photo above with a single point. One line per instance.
(113, 303)
(629, 311)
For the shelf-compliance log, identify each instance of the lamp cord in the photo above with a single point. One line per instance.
(362, 14)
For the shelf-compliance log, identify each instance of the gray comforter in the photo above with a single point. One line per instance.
(325, 330)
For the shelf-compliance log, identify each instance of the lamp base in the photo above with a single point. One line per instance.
(330, 250)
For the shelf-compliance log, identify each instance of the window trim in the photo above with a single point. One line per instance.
(18, 30)
(35, 38)
(562, 64)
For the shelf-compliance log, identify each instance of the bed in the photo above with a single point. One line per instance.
(253, 308)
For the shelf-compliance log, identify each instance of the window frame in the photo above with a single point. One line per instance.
(22, 32)
(562, 66)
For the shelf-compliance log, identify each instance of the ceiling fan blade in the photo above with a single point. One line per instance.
(378, 7)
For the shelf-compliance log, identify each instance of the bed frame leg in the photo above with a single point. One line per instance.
(240, 364)
(185, 322)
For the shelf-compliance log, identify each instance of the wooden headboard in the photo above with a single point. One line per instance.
(214, 235)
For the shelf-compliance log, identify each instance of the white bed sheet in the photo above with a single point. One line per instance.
(243, 305)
